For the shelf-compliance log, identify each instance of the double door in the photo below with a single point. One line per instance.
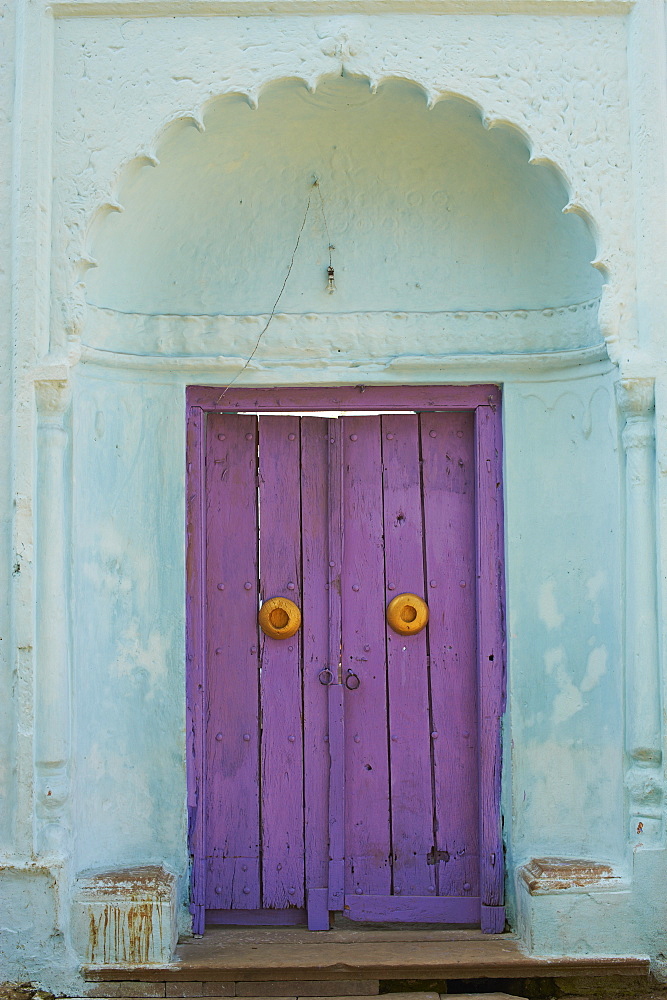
(344, 767)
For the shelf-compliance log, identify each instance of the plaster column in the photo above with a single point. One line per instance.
(642, 689)
(52, 673)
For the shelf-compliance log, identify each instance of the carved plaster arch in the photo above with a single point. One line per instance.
(549, 127)
(195, 116)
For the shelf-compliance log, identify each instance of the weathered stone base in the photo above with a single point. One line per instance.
(126, 916)
(558, 907)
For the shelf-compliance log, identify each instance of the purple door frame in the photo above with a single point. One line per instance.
(484, 401)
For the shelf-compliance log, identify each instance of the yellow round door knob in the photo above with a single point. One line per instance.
(279, 618)
(407, 614)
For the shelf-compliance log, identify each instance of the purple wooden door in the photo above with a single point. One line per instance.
(341, 767)
(266, 716)
(411, 761)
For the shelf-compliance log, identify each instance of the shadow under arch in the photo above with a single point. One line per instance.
(432, 210)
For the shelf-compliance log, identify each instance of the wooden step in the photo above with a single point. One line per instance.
(385, 996)
(251, 955)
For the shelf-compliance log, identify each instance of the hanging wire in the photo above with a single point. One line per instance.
(331, 285)
(279, 296)
(316, 184)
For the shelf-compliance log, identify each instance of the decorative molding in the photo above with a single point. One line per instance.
(253, 8)
(53, 397)
(636, 397)
(297, 337)
(74, 311)
(637, 433)
(644, 785)
(417, 368)
(340, 45)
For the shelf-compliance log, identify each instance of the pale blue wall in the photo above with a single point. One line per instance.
(128, 622)
(8, 706)
(564, 542)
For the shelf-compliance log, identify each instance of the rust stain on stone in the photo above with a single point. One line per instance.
(140, 928)
(121, 933)
(148, 881)
(125, 913)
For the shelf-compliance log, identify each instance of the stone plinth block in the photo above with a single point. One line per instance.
(127, 916)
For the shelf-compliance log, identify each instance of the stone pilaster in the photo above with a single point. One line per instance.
(643, 738)
(52, 671)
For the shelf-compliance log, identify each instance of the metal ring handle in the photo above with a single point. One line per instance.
(407, 614)
(352, 681)
(323, 678)
(279, 618)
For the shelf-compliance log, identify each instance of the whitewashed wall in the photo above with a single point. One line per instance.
(7, 709)
(459, 265)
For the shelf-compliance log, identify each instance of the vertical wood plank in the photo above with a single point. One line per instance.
(367, 830)
(195, 654)
(282, 806)
(337, 797)
(491, 655)
(315, 638)
(449, 514)
(407, 670)
(232, 732)
(336, 715)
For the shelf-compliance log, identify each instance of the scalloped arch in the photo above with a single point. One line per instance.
(408, 97)
(195, 116)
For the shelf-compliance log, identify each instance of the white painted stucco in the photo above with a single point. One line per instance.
(160, 156)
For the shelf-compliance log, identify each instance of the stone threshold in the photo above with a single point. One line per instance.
(256, 955)
(385, 996)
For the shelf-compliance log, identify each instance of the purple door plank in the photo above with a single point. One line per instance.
(336, 894)
(367, 830)
(195, 653)
(281, 794)
(256, 918)
(417, 909)
(491, 650)
(449, 520)
(315, 636)
(336, 717)
(232, 732)
(361, 397)
(407, 671)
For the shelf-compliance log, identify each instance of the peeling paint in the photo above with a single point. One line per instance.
(596, 668)
(548, 607)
